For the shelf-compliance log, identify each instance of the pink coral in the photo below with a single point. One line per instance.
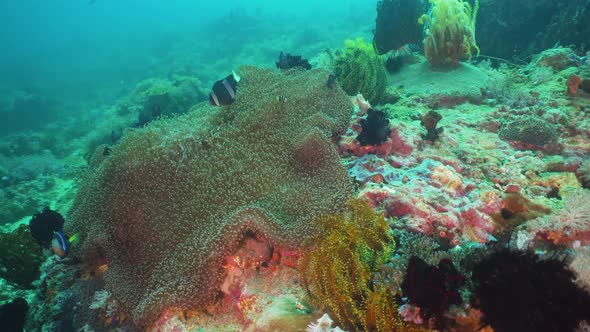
(433, 199)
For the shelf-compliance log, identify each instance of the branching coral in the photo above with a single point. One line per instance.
(338, 272)
(175, 198)
(450, 31)
(361, 70)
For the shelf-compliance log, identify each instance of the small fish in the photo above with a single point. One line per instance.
(292, 61)
(60, 245)
(107, 151)
(115, 136)
(331, 81)
(224, 91)
(282, 98)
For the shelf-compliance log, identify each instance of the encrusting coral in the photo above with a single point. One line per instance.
(360, 69)
(338, 271)
(528, 132)
(174, 199)
(450, 31)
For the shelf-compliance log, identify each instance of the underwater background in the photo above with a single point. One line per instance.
(356, 165)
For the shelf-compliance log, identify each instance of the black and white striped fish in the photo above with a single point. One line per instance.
(224, 91)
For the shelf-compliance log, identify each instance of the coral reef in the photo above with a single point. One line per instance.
(360, 70)
(440, 88)
(153, 98)
(25, 110)
(514, 30)
(450, 31)
(396, 25)
(583, 174)
(175, 198)
(570, 224)
(529, 132)
(338, 270)
(21, 257)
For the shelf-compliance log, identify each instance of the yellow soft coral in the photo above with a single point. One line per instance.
(361, 70)
(450, 31)
(338, 271)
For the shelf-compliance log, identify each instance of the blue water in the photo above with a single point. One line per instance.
(83, 53)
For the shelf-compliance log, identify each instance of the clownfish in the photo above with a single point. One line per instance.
(224, 91)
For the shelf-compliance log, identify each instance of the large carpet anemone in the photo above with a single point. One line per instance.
(175, 199)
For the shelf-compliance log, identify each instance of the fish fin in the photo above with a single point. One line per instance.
(74, 238)
(236, 76)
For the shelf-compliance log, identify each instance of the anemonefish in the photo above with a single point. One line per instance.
(224, 91)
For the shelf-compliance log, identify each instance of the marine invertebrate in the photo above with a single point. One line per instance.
(43, 224)
(432, 288)
(21, 257)
(292, 61)
(360, 70)
(375, 128)
(583, 174)
(530, 131)
(518, 291)
(338, 271)
(429, 121)
(450, 31)
(571, 223)
(175, 198)
(396, 25)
